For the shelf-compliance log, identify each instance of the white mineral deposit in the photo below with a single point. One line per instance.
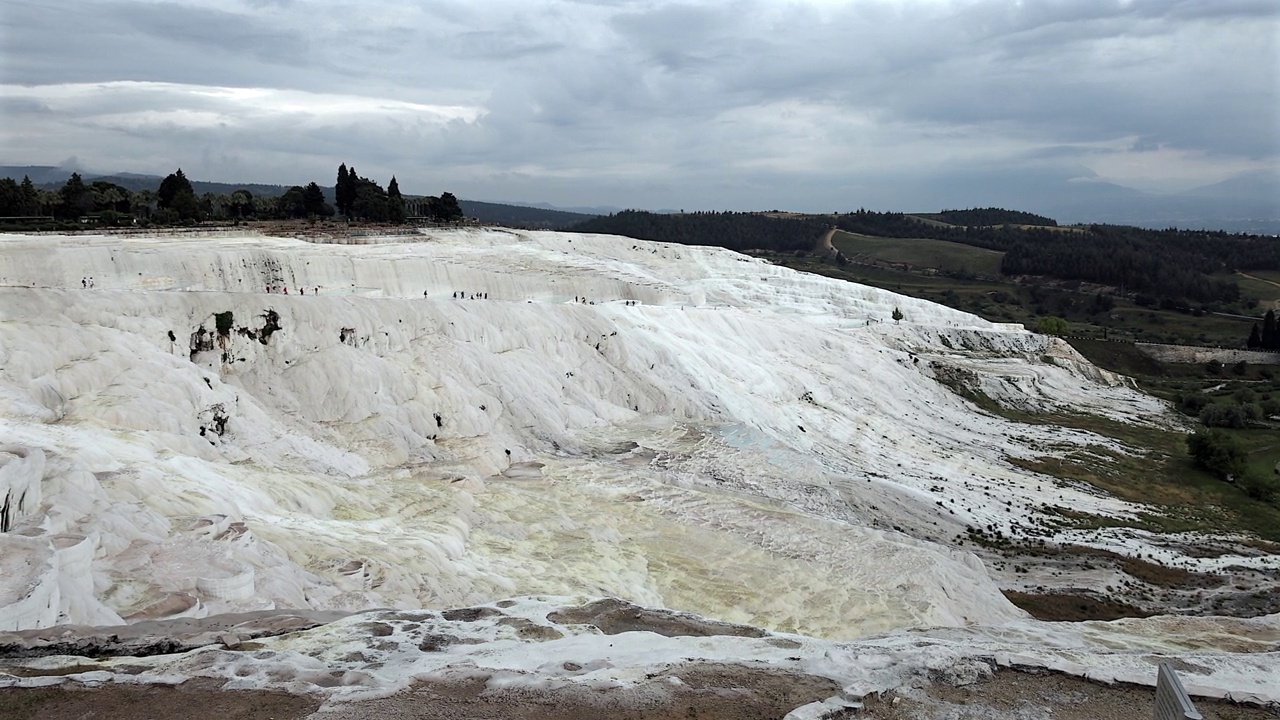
(441, 421)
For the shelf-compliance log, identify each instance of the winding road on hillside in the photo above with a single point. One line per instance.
(824, 243)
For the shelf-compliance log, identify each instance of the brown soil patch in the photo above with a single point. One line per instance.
(1072, 607)
(1164, 576)
(1016, 695)
(615, 616)
(192, 700)
(706, 691)
(1269, 548)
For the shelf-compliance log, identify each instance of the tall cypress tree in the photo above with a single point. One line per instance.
(353, 190)
(1255, 338)
(342, 191)
(1269, 330)
(395, 202)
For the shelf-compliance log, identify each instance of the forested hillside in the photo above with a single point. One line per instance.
(990, 216)
(1173, 266)
(521, 216)
(1163, 263)
(736, 231)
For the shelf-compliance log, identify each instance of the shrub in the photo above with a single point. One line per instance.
(1223, 415)
(224, 321)
(1270, 407)
(1265, 488)
(1192, 404)
(1252, 412)
(1052, 325)
(1217, 452)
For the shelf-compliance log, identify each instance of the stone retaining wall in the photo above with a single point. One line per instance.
(1196, 354)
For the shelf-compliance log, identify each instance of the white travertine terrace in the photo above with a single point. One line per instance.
(682, 427)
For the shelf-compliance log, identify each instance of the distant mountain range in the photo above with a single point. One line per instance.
(1246, 203)
(52, 178)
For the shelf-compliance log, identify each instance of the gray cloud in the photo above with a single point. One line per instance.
(661, 104)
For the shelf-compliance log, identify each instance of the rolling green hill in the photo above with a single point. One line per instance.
(940, 255)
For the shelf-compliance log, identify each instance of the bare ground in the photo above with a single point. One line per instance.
(706, 691)
(1023, 695)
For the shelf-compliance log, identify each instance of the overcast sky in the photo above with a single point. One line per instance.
(808, 105)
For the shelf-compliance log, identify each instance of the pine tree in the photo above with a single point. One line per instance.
(172, 186)
(10, 197)
(371, 202)
(77, 198)
(292, 204)
(313, 201)
(30, 198)
(447, 208)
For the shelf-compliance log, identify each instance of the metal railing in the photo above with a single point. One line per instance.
(1172, 701)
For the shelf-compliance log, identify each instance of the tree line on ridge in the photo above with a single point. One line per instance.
(175, 202)
(1178, 269)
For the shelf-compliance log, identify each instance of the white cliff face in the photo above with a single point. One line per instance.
(678, 426)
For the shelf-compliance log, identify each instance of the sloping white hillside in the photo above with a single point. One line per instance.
(681, 427)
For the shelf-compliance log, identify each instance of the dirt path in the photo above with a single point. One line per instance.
(1275, 302)
(1255, 277)
(824, 243)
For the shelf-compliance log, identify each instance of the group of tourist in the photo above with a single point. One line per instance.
(583, 300)
(284, 290)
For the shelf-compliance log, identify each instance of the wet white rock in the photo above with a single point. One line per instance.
(740, 442)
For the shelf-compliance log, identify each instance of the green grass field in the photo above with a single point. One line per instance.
(922, 253)
(967, 278)
(1258, 285)
(929, 219)
(1269, 275)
